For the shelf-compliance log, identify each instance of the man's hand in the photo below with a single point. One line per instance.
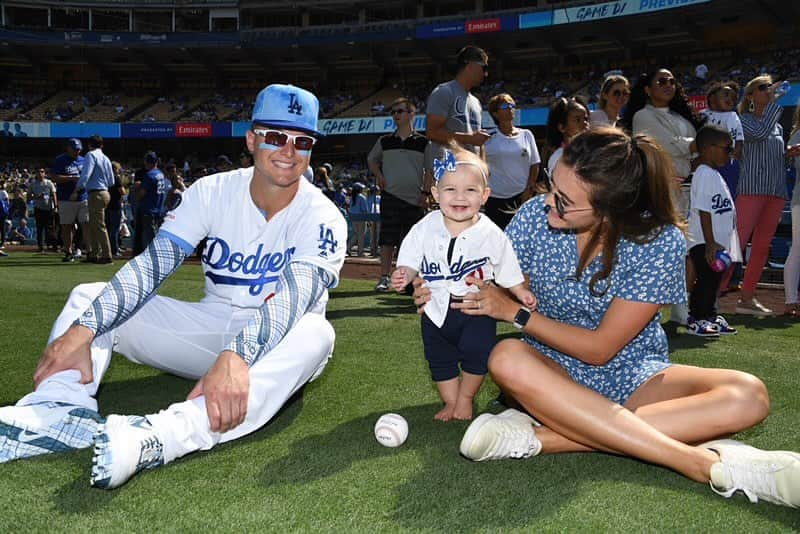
(71, 350)
(711, 252)
(226, 387)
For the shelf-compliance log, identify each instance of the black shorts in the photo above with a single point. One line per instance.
(502, 210)
(397, 218)
(462, 339)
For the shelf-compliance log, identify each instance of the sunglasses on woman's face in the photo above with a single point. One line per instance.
(561, 204)
(616, 93)
(763, 87)
(279, 139)
(665, 81)
(507, 105)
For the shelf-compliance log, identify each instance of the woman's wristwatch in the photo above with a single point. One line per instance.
(521, 318)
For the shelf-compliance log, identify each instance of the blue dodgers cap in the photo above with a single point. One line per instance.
(151, 157)
(287, 107)
(75, 144)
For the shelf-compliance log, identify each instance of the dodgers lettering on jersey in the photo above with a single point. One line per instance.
(245, 253)
(432, 271)
(267, 265)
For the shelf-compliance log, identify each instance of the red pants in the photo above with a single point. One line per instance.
(756, 215)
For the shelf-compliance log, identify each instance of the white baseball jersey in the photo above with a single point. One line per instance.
(710, 194)
(727, 120)
(245, 253)
(482, 250)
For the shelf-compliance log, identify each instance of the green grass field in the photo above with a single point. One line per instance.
(317, 467)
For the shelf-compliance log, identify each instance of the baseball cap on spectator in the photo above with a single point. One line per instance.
(328, 166)
(151, 158)
(287, 107)
(222, 159)
(75, 144)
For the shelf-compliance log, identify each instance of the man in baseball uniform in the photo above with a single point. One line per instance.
(275, 245)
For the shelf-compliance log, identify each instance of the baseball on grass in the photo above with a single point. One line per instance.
(391, 430)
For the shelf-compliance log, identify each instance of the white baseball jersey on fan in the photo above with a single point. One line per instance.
(482, 250)
(710, 193)
(245, 254)
(727, 120)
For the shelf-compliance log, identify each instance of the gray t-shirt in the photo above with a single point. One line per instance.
(43, 193)
(461, 109)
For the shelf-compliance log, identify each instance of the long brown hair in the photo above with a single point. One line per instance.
(630, 180)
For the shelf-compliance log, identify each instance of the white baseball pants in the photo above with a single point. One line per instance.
(185, 338)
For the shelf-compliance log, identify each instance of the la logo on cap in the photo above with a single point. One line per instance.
(294, 105)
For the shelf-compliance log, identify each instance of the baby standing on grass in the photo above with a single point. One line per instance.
(445, 247)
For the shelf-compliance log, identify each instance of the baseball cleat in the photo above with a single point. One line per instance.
(123, 446)
(509, 434)
(773, 476)
(45, 428)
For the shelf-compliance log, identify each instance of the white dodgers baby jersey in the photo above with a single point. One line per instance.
(245, 254)
(482, 250)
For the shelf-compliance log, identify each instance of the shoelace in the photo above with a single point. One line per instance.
(515, 442)
(753, 479)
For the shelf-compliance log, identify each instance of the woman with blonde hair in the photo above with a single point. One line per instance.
(791, 271)
(614, 94)
(761, 192)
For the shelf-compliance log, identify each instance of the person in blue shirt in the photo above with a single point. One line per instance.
(151, 194)
(65, 173)
(604, 252)
(97, 177)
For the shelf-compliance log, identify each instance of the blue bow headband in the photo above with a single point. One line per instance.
(449, 164)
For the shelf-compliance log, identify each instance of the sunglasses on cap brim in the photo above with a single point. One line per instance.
(279, 139)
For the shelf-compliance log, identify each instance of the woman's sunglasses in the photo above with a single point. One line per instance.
(616, 93)
(279, 139)
(665, 81)
(560, 203)
(507, 105)
(763, 87)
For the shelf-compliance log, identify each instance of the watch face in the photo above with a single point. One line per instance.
(521, 319)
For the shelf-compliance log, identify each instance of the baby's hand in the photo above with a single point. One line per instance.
(525, 296)
(400, 279)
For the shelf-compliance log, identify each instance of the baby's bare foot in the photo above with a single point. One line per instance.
(446, 413)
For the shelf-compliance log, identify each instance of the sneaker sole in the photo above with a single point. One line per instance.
(468, 441)
(756, 313)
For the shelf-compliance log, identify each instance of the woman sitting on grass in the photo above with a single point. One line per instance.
(604, 252)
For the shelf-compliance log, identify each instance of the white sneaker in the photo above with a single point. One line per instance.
(506, 435)
(123, 446)
(383, 285)
(77, 253)
(45, 428)
(773, 476)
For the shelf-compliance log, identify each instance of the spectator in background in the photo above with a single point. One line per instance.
(5, 212)
(22, 232)
(791, 270)
(658, 107)
(114, 210)
(245, 159)
(97, 177)
(43, 193)
(358, 219)
(373, 220)
(513, 160)
(397, 161)
(568, 117)
(324, 183)
(721, 98)
(66, 171)
(453, 113)
(151, 193)
(762, 184)
(223, 164)
(176, 184)
(614, 94)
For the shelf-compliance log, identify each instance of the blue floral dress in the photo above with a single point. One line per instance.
(652, 272)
